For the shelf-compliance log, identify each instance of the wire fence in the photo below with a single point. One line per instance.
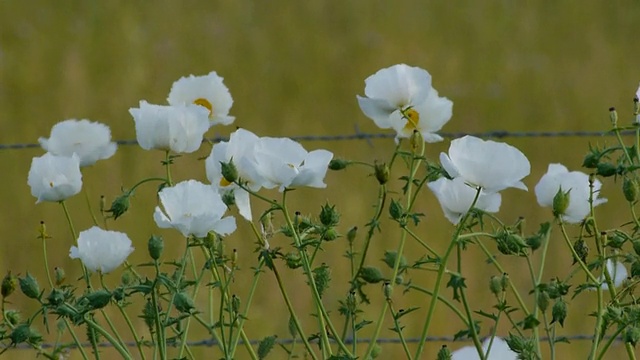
(358, 135)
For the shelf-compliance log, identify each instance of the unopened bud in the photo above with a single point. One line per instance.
(9, 284)
(613, 116)
(630, 189)
(395, 210)
(351, 235)
(98, 299)
(632, 335)
(29, 286)
(103, 204)
(59, 275)
(381, 171)
(120, 205)
(387, 289)
(543, 300)
(444, 353)
(495, 285)
(606, 169)
(329, 216)
(416, 141)
(228, 198)
(559, 312)
(371, 275)
(155, 246)
(183, 303)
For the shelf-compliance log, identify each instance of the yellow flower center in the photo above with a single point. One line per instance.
(224, 182)
(413, 118)
(205, 103)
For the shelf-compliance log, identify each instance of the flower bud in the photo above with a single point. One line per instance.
(559, 312)
(126, 278)
(613, 116)
(183, 303)
(581, 249)
(630, 189)
(591, 160)
(371, 275)
(120, 205)
(329, 216)
(444, 353)
(390, 258)
(235, 303)
(234, 257)
(381, 171)
(98, 299)
(534, 241)
(543, 300)
(351, 235)
(376, 350)
(59, 275)
(561, 202)
(395, 210)
(228, 198)
(9, 284)
(155, 246)
(387, 289)
(23, 333)
(292, 260)
(606, 169)
(29, 286)
(399, 280)
(56, 297)
(149, 315)
(119, 294)
(330, 234)
(229, 171)
(338, 164)
(416, 141)
(504, 281)
(632, 335)
(495, 285)
(12, 317)
(102, 205)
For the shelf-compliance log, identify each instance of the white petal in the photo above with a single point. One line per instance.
(378, 110)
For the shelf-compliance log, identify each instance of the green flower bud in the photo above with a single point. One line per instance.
(351, 235)
(495, 285)
(399, 280)
(183, 303)
(149, 315)
(229, 199)
(329, 216)
(591, 160)
(102, 205)
(120, 205)
(630, 189)
(235, 303)
(381, 171)
(126, 278)
(559, 312)
(632, 335)
(265, 346)
(155, 246)
(395, 210)
(416, 141)
(56, 297)
(229, 171)
(613, 116)
(444, 353)
(322, 278)
(59, 275)
(29, 286)
(13, 317)
(371, 275)
(534, 241)
(9, 284)
(330, 234)
(98, 299)
(606, 169)
(118, 294)
(23, 333)
(561, 202)
(543, 300)
(338, 164)
(504, 281)
(390, 258)
(376, 350)
(387, 289)
(293, 260)
(581, 249)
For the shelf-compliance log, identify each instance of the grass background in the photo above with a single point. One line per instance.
(294, 68)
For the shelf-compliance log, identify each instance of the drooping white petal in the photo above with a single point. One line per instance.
(378, 110)
(178, 128)
(207, 91)
(400, 84)
(314, 169)
(192, 208)
(456, 197)
(101, 250)
(91, 141)
(499, 351)
(54, 178)
(617, 271)
(492, 165)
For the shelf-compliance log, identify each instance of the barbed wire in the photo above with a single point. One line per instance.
(289, 341)
(358, 135)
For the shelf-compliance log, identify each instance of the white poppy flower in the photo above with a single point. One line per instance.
(208, 91)
(101, 250)
(499, 351)
(574, 182)
(285, 163)
(193, 208)
(90, 140)
(456, 197)
(178, 128)
(55, 178)
(494, 166)
(241, 149)
(617, 271)
(399, 89)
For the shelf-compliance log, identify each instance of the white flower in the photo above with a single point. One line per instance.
(401, 97)
(178, 128)
(285, 163)
(617, 271)
(208, 91)
(499, 351)
(494, 166)
(54, 178)
(574, 182)
(90, 140)
(241, 149)
(456, 197)
(101, 250)
(193, 208)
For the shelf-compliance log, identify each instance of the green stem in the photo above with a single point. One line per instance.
(123, 351)
(167, 163)
(75, 237)
(444, 300)
(398, 330)
(440, 276)
(161, 346)
(467, 310)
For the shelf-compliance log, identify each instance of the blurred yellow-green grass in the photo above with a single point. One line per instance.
(294, 68)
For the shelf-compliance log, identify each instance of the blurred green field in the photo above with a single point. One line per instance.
(294, 68)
